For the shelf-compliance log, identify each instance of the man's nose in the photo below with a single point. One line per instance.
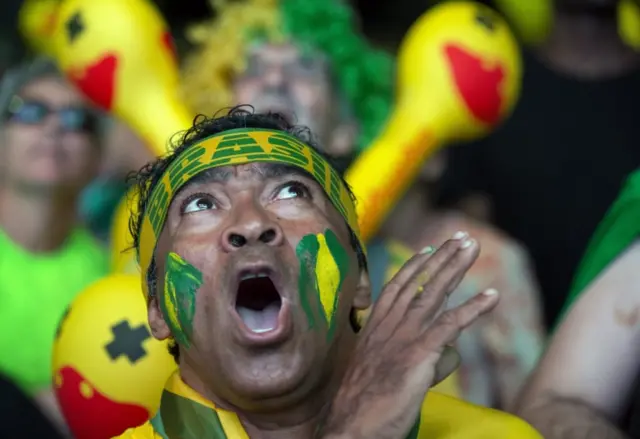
(250, 226)
(51, 125)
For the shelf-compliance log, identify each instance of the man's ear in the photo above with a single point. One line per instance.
(159, 328)
(362, 298)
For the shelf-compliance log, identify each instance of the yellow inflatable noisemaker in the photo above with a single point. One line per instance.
(121, 55)
(37, 22)
(108, 370)
(123, 255)
(459, 76)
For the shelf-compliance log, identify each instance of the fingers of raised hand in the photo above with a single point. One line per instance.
(399, 292)
(447, 327)
(428, 303)
(391, 290)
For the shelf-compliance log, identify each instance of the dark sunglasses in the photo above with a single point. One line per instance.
(31, 112)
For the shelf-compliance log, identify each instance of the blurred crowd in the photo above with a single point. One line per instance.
(551, 196)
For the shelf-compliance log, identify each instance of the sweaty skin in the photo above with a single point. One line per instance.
(323, 266)
(181, 283)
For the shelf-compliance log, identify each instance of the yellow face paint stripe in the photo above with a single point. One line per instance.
(328, 278)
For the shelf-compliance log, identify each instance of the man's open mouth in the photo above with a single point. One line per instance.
(258, 302)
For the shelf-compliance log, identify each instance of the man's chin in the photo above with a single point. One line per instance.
(269, 381)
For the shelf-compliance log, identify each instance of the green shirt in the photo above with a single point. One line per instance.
(618, 230)
(35, 291)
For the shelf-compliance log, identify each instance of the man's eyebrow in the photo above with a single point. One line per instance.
(277, 170)
(264, 170)
(213, 175)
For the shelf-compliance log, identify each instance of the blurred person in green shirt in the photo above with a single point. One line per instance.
(49, 151)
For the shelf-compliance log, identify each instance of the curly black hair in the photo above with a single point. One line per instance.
(242, 116)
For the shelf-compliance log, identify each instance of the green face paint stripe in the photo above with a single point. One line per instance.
(175, 329)
(341, 259)
(307, 252)
(186, 419)
(183, 280)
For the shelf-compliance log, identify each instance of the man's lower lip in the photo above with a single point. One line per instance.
(272, 336)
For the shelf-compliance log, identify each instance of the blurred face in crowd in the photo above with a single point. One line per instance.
(297, 83)
(47, 139)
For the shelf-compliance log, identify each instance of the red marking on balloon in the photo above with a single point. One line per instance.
(478, 85)
(98, 81)
(167, 42)
(96, 416)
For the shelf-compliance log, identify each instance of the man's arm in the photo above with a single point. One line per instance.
(581, 387)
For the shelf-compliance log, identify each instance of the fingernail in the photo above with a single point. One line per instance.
(427, 250)
(490, 292)
(468, 243)
(460, 235)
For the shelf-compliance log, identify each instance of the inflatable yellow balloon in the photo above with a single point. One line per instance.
(459, 75)
(109, 371)
(37, 21)
(123, 256)
(121, 55)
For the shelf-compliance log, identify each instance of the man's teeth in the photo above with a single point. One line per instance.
(260, 321)
(253, 276)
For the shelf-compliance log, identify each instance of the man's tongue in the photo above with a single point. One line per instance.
(260, 321)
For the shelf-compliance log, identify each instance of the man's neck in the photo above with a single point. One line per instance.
(295, 420)
(40, 223)
(588, 47)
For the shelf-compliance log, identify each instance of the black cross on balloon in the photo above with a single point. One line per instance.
(127, 341)
(74, 26)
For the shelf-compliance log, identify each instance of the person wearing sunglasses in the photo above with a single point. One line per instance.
(49, 152)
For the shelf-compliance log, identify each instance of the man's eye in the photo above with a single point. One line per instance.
(198, 204)
(292, 190)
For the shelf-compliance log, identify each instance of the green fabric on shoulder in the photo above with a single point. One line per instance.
(619, 228)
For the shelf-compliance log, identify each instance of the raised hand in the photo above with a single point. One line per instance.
(402, 350)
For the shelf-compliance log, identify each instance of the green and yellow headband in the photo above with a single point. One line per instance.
(235, 147)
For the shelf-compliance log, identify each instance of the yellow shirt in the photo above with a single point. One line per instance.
(442, 417)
